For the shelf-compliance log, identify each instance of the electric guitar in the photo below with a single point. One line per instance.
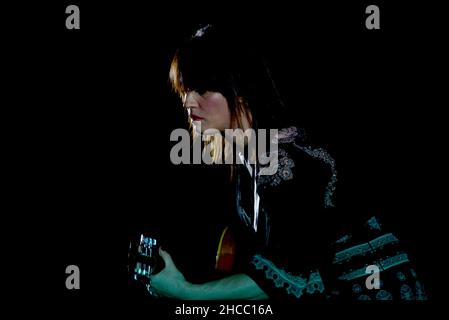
(144, 259)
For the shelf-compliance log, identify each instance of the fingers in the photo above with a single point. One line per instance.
(169, 264)
(166, 257)
(152, 290)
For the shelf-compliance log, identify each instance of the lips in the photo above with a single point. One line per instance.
(196, 118)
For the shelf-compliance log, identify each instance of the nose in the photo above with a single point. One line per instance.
(191, 101)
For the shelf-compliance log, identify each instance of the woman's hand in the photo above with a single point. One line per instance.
(170, 282)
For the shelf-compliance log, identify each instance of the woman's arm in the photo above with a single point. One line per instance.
(171, 283)
(238, 286)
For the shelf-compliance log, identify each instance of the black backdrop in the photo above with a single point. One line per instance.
(95, 118)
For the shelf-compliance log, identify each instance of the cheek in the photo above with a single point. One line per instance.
(216, 110)
(221, 106)
(222, 116)
(223, 110)
(212, 105)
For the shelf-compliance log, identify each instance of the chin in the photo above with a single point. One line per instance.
(211, 131)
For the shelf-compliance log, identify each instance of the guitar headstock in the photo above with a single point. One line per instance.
(143, 258)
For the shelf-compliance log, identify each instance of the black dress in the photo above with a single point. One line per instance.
(295, 244)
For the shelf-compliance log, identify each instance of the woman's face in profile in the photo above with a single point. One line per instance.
(209, 110)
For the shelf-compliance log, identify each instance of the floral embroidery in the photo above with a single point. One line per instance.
(420, 294)
(407, 293)
(373, 224)
(284, 172)
(287, 135)
(285, 163)
(400, 276)
(324, 156)
(357, 288)
(384, 295)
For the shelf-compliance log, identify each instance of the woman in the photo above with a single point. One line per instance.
(286, 223)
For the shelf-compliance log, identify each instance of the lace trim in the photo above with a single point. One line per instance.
(344, 239)
(384, 264)
(324, 156)
(294, 285)
(394, 261)
(364, 248)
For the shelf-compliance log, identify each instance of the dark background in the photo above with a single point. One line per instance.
(93, 113)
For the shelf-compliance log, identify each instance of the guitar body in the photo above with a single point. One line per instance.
(226, 251)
